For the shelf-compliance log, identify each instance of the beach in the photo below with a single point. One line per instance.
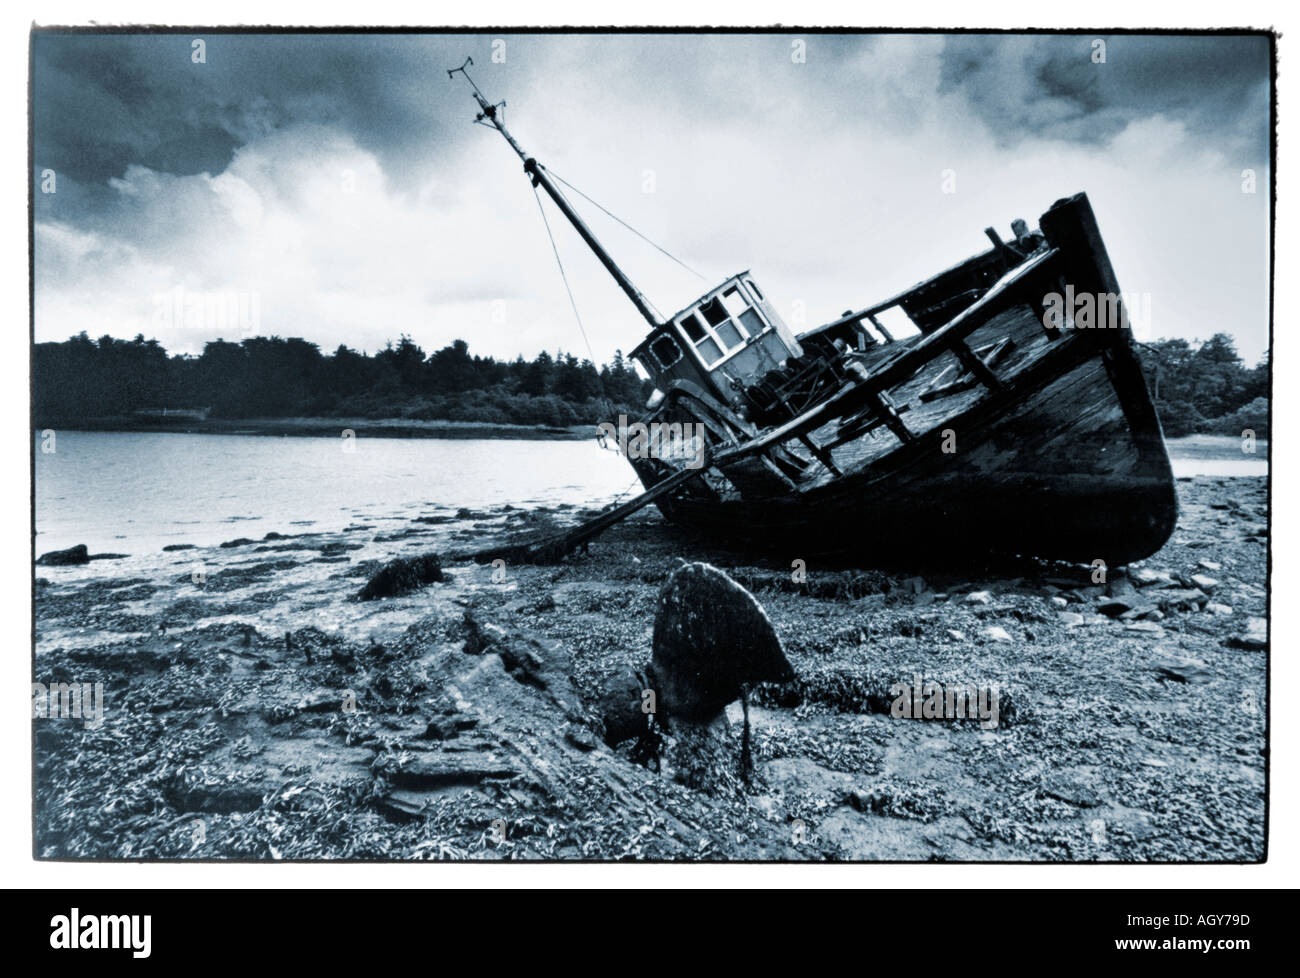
(253, 708)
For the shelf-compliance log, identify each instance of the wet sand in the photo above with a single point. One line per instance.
(1131, 727)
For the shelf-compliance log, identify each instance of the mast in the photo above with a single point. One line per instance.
(537, 173)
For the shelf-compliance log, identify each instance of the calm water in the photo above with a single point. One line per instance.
(135, 492)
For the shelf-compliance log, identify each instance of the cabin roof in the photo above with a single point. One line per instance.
(729, 278)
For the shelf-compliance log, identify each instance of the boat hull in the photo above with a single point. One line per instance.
(1074, 469)
(1000, 429)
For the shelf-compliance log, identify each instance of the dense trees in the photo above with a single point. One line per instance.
(1197, 387)
(1207, 388)
(269, 377)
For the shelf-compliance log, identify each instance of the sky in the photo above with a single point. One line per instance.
(335, 187)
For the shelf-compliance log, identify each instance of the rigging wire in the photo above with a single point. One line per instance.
(652, 244)
(645, 298)
(582, 329)
(609, 407)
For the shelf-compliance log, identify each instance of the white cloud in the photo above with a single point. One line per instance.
(832, 210)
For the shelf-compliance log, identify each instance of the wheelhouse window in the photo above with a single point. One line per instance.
(666, 351)
(721, 325)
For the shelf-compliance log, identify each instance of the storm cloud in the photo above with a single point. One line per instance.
(340, 177)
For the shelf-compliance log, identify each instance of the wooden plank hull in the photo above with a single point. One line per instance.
(1054, 451)
(1074, 470)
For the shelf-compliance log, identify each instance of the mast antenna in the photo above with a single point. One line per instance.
(488, 108)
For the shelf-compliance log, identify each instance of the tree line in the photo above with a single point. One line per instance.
(1206, 388)
(81, 379)
(1197, 387)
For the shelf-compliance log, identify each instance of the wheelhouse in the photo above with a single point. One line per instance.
(723, 341)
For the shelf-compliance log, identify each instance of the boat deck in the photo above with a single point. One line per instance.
(1028, 342)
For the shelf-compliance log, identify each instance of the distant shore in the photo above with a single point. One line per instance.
(1221, 447)
(333, 427)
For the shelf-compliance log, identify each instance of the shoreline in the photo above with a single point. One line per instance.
(1201, 447)
(333, 428)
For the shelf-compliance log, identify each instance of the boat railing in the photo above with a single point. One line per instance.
(905, 299)
(872, 392)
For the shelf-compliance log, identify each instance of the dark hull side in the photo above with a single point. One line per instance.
(1054, 452)
(1071, 466)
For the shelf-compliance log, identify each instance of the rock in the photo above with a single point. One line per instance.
(335, 547)
(711, 637)
(1070, 619)
(580, 737)
(915, 585)
(979, 597)
(1059, 602)
(528, 658)
(1069, 583)
(1205, 583)
(1070, 791)
(449, 768)
(619, 707)
(996, 633)
(177, 546)
(1146, 577)
(320, 701)
(1146, 627)
(1210, 565)
(956, 636)
(1139, 611)
(402, 806)
(1115, 607)
(1121, 588)
(401, 576)
(1214, 608)
(343, 657)
(65, 558)
(238, 542)
(1179, 598)
(448, 726)
(481, 636)
(1183, 670)
(1255, 637)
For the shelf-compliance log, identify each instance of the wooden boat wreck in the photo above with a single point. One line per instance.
(1016, 420)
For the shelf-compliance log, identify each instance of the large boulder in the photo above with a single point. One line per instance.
(65, 558)
(620, 706)
(711, 638)
(401, 576)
